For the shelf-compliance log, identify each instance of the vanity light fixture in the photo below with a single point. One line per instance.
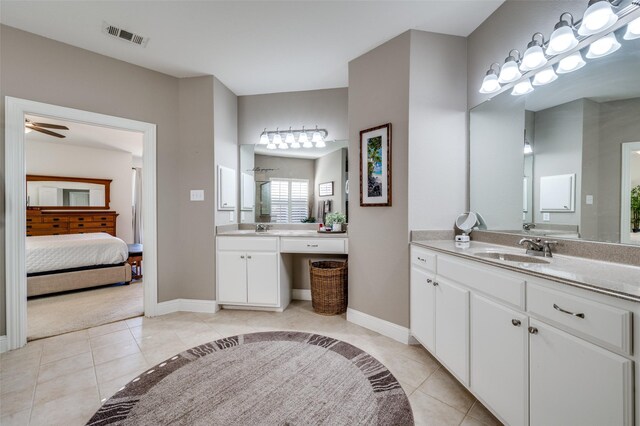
(289, 138)
(522, 88)
(598, 17)
(527, 148)
(277, 138)
(545, 76)
(271, 145)
(304, 139)
(490, 83)
(264, 137)
(533, 57)
(571, 63)
(603, 47)
(633, 30)
(509, 71)
(563, 38)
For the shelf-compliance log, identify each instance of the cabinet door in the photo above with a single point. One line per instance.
(499, 359)
(423, 315)
(574, 382)
(452, 327)
(262, 278)
(232, 277)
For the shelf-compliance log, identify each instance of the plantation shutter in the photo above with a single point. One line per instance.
(289, 200)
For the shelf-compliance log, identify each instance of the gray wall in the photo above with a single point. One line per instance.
(379, 236)
(324, 108)
(511, 27)
(225, 130)
(558, 151)
(330, 168)
(77, 78)
(590, 170)
(438, 154)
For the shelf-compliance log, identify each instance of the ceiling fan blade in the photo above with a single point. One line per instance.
(49, 126)
(46, 132)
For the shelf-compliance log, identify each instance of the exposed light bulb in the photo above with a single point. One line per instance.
(490, 83)
(563, 38)
(603, 47)
(545, 76)
(571, 63)
(598, 17)
(522, 88)
(633, 30)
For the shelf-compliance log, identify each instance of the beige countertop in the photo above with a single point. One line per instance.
(281, 233)
(603, 277)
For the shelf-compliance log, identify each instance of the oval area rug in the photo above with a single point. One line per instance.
(270, 378)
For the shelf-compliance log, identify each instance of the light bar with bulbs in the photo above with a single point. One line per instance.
(274, 139)
(597, 21)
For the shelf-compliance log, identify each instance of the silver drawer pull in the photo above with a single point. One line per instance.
(421, 259)
(312, 245)
(558, 308)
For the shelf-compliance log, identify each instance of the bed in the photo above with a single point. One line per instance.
(58, 263)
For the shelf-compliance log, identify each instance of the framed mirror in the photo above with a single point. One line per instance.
(283, 186)
(563, 160)
(68, 193)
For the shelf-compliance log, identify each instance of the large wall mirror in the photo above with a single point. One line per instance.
(67, 193)
(564, 160)
(293, 185)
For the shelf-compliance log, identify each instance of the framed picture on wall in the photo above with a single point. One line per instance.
(375, 166)
(325, 189)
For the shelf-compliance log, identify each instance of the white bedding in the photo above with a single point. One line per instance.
(56, 252)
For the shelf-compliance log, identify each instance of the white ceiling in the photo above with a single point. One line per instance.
(251, 46)
(90, 136)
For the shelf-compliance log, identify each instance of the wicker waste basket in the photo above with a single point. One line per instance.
(328, 287)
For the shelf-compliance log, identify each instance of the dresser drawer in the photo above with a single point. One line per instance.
(248, 243)
(44, 226)
(506, 287)
(101, 218)
(55, 219)
(423, 258)
(80, 219)
(81, 225)
(108, 230)
(313, 245)
(601, 323)
(34, 219)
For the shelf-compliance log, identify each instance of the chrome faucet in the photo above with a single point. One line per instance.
(262, 227)
(538, 247)
(528, 226)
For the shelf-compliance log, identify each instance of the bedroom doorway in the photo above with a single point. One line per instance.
(94, 219)
(84, 245)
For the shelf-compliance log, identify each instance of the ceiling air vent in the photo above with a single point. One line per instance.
(124, 35)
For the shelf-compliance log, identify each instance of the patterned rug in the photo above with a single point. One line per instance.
(271, 378)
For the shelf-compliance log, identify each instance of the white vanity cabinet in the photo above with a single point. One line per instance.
(535, 352)
(248, 272)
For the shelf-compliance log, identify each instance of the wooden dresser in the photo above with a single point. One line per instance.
(57, 222)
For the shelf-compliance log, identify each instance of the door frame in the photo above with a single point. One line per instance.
(625, 188)
(15, 205)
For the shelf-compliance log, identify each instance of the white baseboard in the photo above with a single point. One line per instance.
(386, 328)
(299, 294)
(187, 305)
(4, 346)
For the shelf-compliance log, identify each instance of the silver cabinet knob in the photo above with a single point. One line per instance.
(248, 257)
(241, 257)
(429, 280)
(533, 330)
(435, 284)
(516, 322)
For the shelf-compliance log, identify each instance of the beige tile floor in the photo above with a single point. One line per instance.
(62, 380)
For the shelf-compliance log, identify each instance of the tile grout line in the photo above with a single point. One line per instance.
(33, 394)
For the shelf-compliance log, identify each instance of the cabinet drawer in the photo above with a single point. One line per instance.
(601, 323)
(313, 245)
(34, 219)
(248, 243)
(506, 287)
(423, 258)
(55, 219)
(80, 219)
(44, 226)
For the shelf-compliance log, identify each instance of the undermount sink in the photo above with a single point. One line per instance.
(510, 257)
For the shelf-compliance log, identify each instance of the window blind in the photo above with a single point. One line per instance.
(289, 200)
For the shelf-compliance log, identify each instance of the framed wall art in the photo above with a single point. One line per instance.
(375, 166)
(325, 189)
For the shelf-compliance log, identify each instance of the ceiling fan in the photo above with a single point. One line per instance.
(42, 128)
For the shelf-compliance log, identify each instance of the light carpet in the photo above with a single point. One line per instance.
(270, 378)
(58, 314)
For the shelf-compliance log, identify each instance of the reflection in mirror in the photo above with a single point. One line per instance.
(564, 160)
(285, 186)
(67, 192)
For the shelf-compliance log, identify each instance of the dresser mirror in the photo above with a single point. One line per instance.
(564, 160)
(282, 186)
(67, 193)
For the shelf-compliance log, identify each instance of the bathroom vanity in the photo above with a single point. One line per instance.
(255, 268)
(538, 340)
